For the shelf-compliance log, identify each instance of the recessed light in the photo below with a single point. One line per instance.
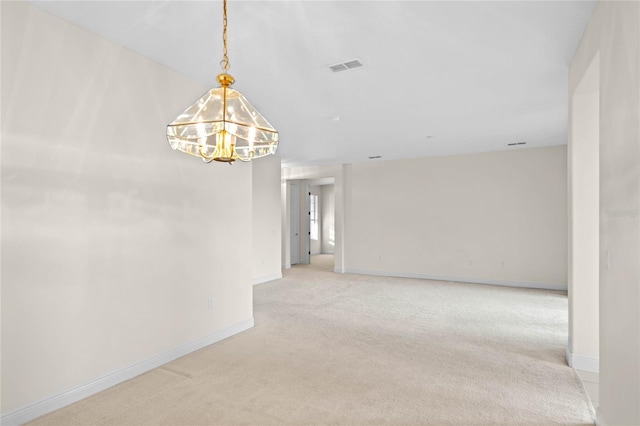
(335, 118)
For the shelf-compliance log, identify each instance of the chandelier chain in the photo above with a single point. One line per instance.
(224, 63)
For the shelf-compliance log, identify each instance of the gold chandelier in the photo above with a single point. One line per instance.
(222, 125)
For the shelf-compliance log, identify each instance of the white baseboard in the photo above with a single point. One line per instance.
(267, 278)
(599, 420)
(504, 283)
(37, 409)
(579, 362)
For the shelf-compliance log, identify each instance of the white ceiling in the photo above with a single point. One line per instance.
(439, 77)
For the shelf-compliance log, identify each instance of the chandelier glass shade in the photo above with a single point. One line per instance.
(222, 125)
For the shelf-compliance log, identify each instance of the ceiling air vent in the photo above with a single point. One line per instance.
(516, 143)
(344, 66)
(375, 157)
(338, 67)
(353, 64)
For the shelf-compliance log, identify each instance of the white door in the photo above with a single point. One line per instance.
(295, 222)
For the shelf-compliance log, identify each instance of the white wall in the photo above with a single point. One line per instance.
(328, 219)
(496, 217)
(267, 232)
(110, 249)
(584, 222)
(613, 34)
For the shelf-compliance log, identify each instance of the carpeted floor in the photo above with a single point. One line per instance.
(346, 349)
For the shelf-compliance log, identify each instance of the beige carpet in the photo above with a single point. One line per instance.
(346, 349)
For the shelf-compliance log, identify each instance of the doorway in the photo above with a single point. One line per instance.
(322, 219)
(311, 219)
